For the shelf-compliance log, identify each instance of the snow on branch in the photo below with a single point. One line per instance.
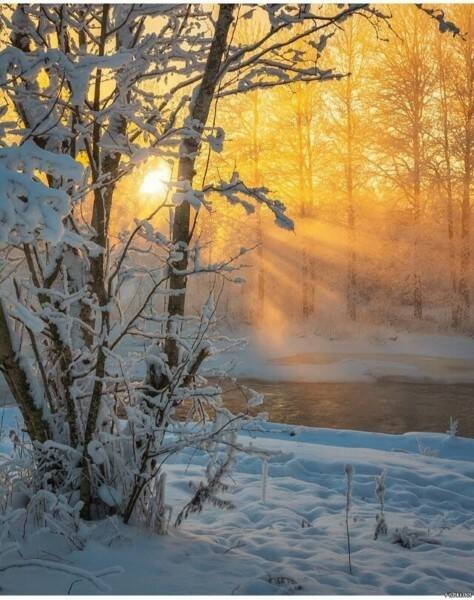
(29, 208)
(272, 73)
(236, 191)
(444, 25)
(93, 578)
(15, 62)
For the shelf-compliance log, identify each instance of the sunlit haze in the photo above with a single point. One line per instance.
(156, 182)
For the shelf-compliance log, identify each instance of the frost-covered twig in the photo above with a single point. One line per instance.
(264, 479)
(92, 578)
(349, 471)
(381, 525)
(453, 427)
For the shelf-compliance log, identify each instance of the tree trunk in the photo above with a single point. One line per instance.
(186, 170)
(351, 299)
(465, 251)
(351, 262)
(467, 90)
(106, 164)
(417, 285)
(261, 269)
(310, 209)
(306, 284)
(17, 380)
(449, 184)
(256, 183)
(417, 289)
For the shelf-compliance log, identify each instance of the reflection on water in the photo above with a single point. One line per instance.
(385, 406)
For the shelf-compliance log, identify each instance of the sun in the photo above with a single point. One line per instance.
(156, 182)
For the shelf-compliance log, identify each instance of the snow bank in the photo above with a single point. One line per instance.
(294, 541)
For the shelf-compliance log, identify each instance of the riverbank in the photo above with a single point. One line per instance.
(365, 357)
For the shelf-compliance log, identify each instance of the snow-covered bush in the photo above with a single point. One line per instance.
(410, 538)
(45, 511)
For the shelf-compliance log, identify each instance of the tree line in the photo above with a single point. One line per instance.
(375, 166)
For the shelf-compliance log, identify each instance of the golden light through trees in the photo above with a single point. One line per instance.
(374, 167)
(361, 164)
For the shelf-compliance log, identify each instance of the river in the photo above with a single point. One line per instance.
(383, 406)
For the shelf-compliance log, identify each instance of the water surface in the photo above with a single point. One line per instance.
(383, 406)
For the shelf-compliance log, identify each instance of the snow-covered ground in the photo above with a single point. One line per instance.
(364, 357)
(295, 540)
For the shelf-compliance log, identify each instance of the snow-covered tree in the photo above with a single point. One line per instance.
(90, 93)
